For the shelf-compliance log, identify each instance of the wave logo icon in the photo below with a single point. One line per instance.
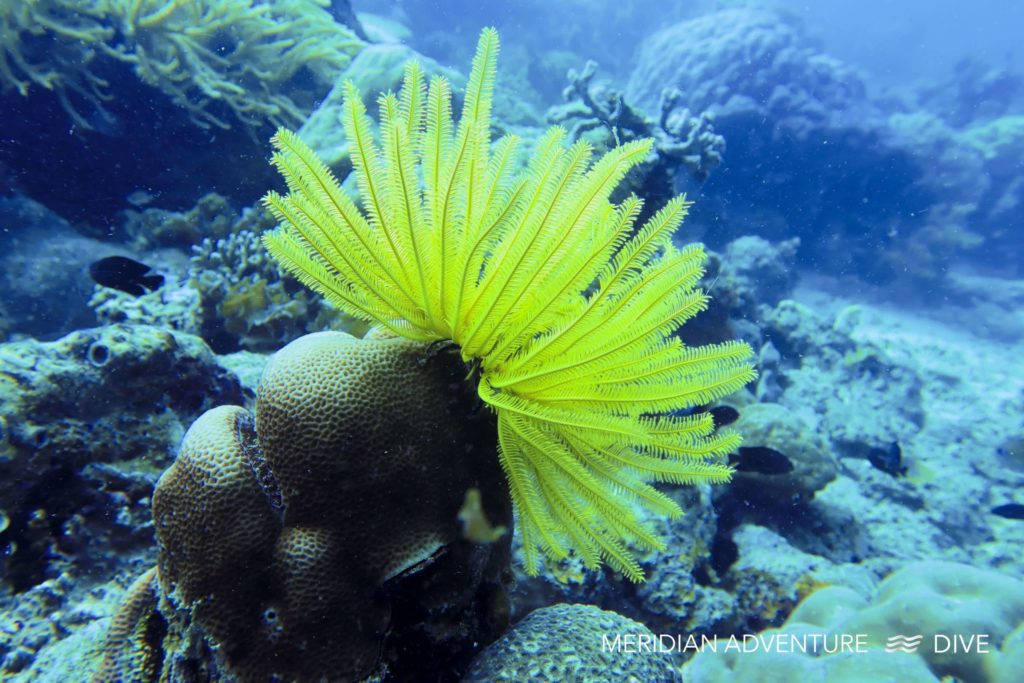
(900, 643)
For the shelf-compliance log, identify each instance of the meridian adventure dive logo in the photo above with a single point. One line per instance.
(900, 643)
(792, 643)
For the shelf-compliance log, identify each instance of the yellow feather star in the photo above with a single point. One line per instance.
(565, 306)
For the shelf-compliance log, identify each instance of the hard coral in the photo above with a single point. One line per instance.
(935, 601)
(565, 309)
(94, 400)
(565, 643)
(233, 294)
(307, 542)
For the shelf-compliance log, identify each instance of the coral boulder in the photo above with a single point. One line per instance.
(304, 543)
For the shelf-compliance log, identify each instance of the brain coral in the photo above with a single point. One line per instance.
(565, 643)
(306, 541)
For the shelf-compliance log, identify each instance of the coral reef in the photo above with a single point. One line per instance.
(565, 643)
(231, 292)
(346, 515)
(753, 272)
(210, 58)
(183, 85)
(321, 539)
(248, 303)
(812, 346)
(377, 69)
(83, 420)
(813, 463)
(975, 92)
(681, 139)
(212, 217)
(747, 61)
(522, 269)
(681, 591)
(937, 175)
(802, 131)
(677, 592)
(54, 631)
(931, 599)
(175, 306)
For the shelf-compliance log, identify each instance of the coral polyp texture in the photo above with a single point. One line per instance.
(315, 540)
(563, 307)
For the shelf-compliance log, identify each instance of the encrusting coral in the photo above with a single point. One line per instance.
(564, 309)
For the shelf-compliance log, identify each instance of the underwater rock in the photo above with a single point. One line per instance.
(812, 464)
(231, 293)
(805, 139)
(43, 270)
(768, 579)
(376, 69)
(115, 394)
(931, 600)
(753, 271)
(321, 539)
(828, 372)
(566, 643)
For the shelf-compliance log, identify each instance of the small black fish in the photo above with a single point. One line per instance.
(760, 459)
(125, 274)
(1010, 511)
(888, 460)
(724, 415)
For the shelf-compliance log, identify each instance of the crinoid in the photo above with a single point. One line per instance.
(568, 309)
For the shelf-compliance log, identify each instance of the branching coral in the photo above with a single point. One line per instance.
(246, 300)
(232, 294)
(680, 138)
(564, 308)
(200, 53)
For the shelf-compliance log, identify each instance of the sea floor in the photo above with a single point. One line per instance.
(964, 356)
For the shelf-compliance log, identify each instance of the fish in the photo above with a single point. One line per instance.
(1010, 511)
(141, 198)
(1012, 452)
(125, 274)
(888, 460)
(760, 459)
(724, 415)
